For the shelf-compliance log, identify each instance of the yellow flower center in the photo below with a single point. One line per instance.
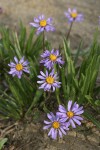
(70, 114)
(19, 67)
(53, 57)
(50, 80)
(74, 15)
(43, 23)
(56, 124)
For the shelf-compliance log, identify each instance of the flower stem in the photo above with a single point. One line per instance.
(29, 81)
(57, 96)
(43, 41)
(68, 34)
(45, 100)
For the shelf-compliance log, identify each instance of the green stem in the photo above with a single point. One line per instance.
(35, 101)
(43, 42)
(29, 81)
(57, 96)
(45, 100)
(68, 34)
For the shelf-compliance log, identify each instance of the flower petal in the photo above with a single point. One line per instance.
(72, 123)
(69, 105)
(46, 127)
(34, 24)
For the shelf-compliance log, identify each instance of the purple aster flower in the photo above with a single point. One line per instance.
(18, 67)
(50, 58)
(56, 125)
(71, 114)
(49, 81)
(72, 16)
(42, 24)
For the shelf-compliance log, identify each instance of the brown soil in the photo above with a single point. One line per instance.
(29, 135)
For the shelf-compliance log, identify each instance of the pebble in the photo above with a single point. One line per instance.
(93, 139)
(72, 133)
(89, 125)
(96, 131)
(81, 136)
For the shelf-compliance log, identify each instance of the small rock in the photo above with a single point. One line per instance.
(84, 121)
(89, 125)
(93, 138)
(50, 147)
(46, 136)
(81, 136)
(96, 131)
(12, 147)
(61, 141)
(72, 133)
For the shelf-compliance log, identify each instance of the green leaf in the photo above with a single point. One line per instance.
(2, 142)
(36, 100)
(97, 102)
(91, 118)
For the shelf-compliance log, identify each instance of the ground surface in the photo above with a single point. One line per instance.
(30, 136)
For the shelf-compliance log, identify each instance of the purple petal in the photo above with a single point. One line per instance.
(12, 71)
(49, 20)
(69, 105)
(42, 86)
(41, 17)
(74, 10)
(12, 64)
(39, 82)
(62, 109)
(77, 121)
(49, 28)
(36, 20)
(62, 130)
(46, 127)
(54, 134)
(78, 117)
(22, 60)
(16, 60)
(63, 119)
(79, 109)
(42, 74)
(25, 63)
(60, 133)
(40, 77)
(69, 10)
(47, 122)
(67, 125)
(50, 132)
(34, 24)
(72, 123)
(50, 117)
(79, 112)
(19, 74)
